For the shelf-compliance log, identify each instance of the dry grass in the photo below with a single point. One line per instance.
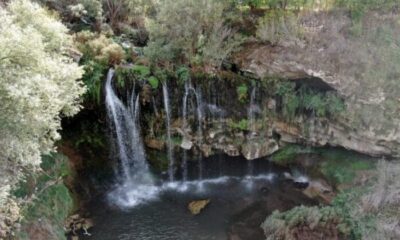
(384, 202)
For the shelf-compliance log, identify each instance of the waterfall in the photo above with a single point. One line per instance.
(199, 102)
(251, 115)
(135, 183)
(184, 118)
(252, 110)
(168, 127)
(200, 115)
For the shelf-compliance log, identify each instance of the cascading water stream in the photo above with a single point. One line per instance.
(251, 114)
(199, 113)
(252, 110)
(135, 183)
(168, 127)
(184, 127)
(199, 102)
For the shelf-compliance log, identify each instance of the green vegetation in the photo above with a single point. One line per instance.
(362, 212)
(45, 197)
(301, 100)
(335, 219)
(241, 125)
(147, 41)
(277, 26)
(242, 92)
(154, 83)
(39, 84)
(341, 165)
(198, 36)
(287, 154)
(99, 53)
(359, 8)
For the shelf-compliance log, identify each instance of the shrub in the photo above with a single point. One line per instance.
(297, 221)
(99, 47)
(242, 92)
(242, 125)
(278, 26)
(196, 36)
(288, 153)
(49, 200)
(38, 85)
(303, 100)
(154, 83)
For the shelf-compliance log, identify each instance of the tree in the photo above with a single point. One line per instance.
(38, 85)
(188, 32)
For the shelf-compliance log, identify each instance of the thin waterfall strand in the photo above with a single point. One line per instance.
(168, 127)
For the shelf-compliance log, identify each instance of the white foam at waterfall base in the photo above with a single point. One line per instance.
(130, 195)
(135, 183)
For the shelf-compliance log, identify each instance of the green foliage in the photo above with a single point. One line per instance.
(141, 70)
(341, 166)
(287, 154)
(93, 79)
(359, 8)
(242, 92)
(183, 74)
(158, 160)
(302, 100)
(90, 135)
(48, 200)
(153, 81)
(38, 85)
(279, 25)
(99, 53)
(282, 225)
(242, 125)
(197, 36)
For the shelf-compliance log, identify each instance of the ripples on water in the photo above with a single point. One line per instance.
(158, 212)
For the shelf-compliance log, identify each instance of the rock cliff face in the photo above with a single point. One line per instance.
(355, 66)
(225, 113)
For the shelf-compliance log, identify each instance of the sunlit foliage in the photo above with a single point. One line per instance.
(190, 31)
(38, 85)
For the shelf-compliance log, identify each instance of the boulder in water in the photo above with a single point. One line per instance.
(195, 207)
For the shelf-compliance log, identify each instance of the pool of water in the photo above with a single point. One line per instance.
(241, 195)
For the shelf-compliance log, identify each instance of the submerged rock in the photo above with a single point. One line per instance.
(195, 207)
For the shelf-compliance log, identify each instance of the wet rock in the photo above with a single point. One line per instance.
(319, 188)
(177, 123)
(271, 104)
(196, 207)
(186, 144)
(231, 150)
(213, 133)
(255, 149)
(321, 133)
(76, 224)
(206, 150)
(146, 94)
(154, 143)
